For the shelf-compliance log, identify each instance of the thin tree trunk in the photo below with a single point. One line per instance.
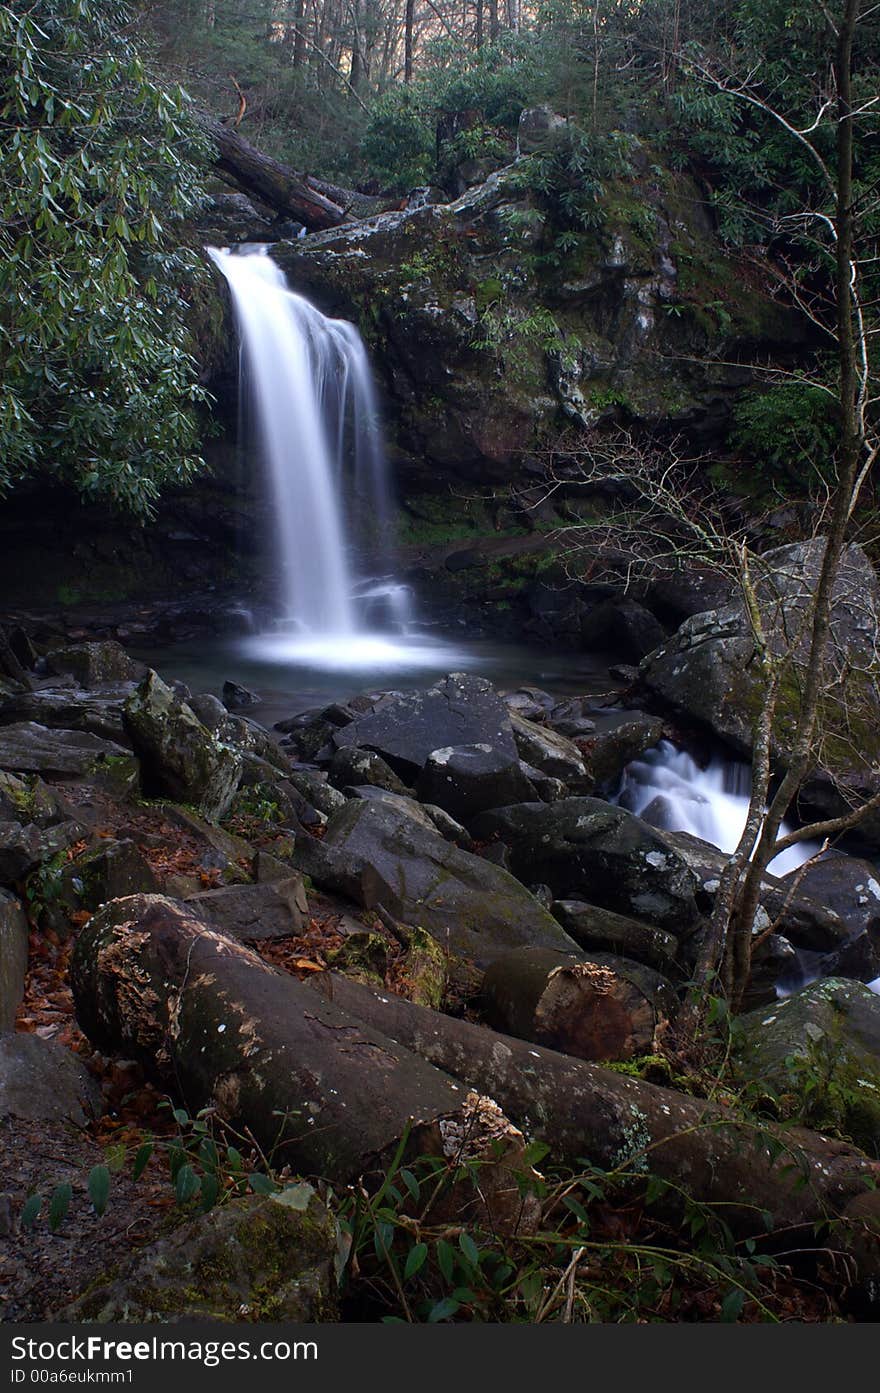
(408, 41)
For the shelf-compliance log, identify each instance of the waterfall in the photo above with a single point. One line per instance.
(315, 410)
(668, 788)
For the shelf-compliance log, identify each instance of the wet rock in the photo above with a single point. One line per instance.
(807, 923)
(98, 664)
(822, 1046)
(707, 672)
(24, 847)
(42, 1081)
(238, 698)
(378, 855)
(351, 767)
(209, 710)
(619, 737)
(68, 708)
(314, 787)
(622, 626)
(848, 886)
(458, 710)
(251, 1259)
(532, 703)
(593, 927)
(584, 848)
(408, 727)
(572, 718)
(553, 754)
(104, 872)
(466, 780)
(180, 756)
(29, 748)
(428, 815)
(13, 958)
(678, 594)
(253, 913)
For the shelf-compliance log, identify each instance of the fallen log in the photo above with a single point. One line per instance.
(763, 1178)
(599, 1007)
(289, 193)
(315, 1087)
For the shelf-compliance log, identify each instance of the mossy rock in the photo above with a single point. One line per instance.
(254, 1259)
(180, 756)
(820, 1051)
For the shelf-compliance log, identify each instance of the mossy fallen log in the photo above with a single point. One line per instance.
(762, 1177)
(314, 1086)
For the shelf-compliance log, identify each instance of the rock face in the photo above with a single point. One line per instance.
(582, 847)
(40, 1080)
(405, 730)
(441, 296)
(253, 1259)
(378, 855)
(706, 672)
(13, 958)
(823, 1046)
(180, 755)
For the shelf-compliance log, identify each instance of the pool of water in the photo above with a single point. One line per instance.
(293, 673)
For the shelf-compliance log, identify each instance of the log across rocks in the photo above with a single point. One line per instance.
(315, 1086)
(598, 1007)
(763, 1178)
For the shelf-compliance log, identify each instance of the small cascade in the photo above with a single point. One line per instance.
(667, 788)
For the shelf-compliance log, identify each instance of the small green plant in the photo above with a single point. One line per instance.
(789, 432)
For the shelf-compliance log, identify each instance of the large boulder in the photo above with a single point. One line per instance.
(406, 729)
(809, 923)
(70, 708)
(180, 756)
(554, 754)
(592, 927)
(26, 747)
(253, 913)
(96, 664)
(707, 671)
(584, 848)
(42, 1081)
(821, 1046)
(13, 958)
(252, 1259)
(378, 855)
(469, 779)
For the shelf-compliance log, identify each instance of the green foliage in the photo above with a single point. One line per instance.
(790, 432)
(420, 1249)
(96, 170)
(398, 143)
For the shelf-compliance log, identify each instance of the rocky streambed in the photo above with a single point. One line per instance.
(405, 921)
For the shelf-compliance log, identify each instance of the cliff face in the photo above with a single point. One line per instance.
(487, 344)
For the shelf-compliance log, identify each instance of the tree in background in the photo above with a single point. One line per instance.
(96, 174)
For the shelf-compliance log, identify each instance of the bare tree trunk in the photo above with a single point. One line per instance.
(494, 27)
(479, 28)
(408, 41)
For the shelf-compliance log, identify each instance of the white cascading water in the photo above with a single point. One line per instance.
(308, 378)
(667, 788)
